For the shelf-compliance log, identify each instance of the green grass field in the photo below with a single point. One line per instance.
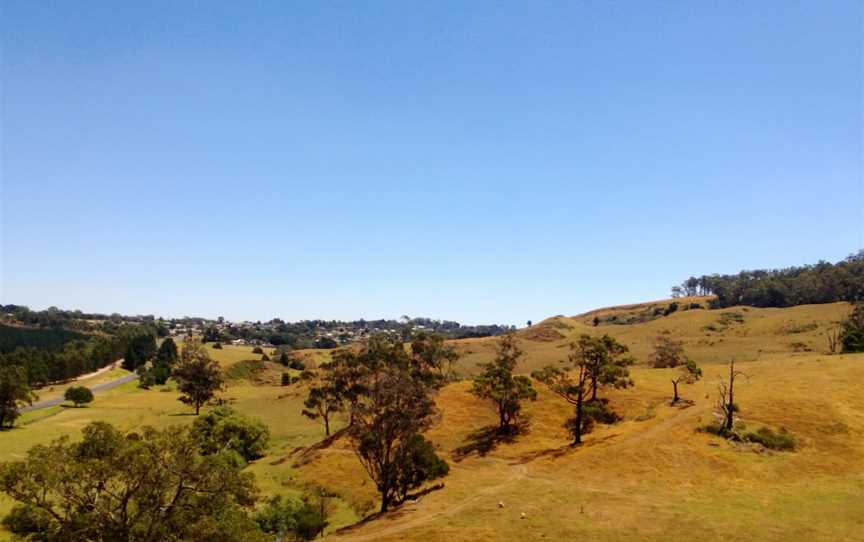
(649, 477)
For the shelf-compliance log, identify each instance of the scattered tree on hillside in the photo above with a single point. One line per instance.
(147, 486)
(669, 353)
(387, 420)
(14, 390)
(586, 362)
(198, 377)
(689, 372)
(498, 385)
(852, 330)
(434, 356)
(388, 393)
(324, 400)
(726, 397)
(606, 362)
(79, 395)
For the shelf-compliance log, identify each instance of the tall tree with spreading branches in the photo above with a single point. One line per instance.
(500, 387)
(198, 377)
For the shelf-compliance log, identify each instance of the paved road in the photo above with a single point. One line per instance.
(97, 388)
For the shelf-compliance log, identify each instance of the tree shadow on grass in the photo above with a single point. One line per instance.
(305, 454)
(395, 512)
(486, 439)
(561, 451)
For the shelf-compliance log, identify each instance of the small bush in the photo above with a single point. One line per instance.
(257, 350)
(286, 379)
(265, 357)
(694, 306)
(781, 441)
(217, 346)
(671, 308)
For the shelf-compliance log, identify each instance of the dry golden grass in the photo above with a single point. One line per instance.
(649, 477)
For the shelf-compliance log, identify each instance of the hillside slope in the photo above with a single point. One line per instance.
(709, 336)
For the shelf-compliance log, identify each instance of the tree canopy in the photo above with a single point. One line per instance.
(146, 486)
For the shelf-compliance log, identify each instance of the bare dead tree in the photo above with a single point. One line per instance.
(834, 336)
(726, 397)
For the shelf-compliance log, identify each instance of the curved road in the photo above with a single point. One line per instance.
(98, 387)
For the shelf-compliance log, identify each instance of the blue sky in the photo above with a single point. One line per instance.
(482, 161)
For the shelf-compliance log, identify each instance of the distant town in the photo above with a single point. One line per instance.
(275, 332)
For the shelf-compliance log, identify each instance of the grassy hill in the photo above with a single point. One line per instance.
(649, 477)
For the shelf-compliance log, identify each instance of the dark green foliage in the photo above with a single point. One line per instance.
(387, 391)
(217, 346)
(498, 385)
(291, 519)
(671, 308)
(14, 391)
(296, 363)
(257, 350)
(42, 338)
(325, 342)
(820, 283)
(592, 361)
(29, 523)
(780, 440)
(286, 379)
(146, 487)
(77, 357)
(198, 377)
(852, 331)
(417, 464)
(167, 354)
(140, 349)
(79, 395)
(284, 358)
(265, 357)
(226, 429)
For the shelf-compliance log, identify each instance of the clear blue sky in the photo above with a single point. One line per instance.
(477, 161)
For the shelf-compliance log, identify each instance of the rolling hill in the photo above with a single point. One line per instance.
(651, 476)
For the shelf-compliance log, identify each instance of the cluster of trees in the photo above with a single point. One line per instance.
(53, 317)
(45, 364)
(823, 282)
(386, 389)
(12, 337)
(183, 483)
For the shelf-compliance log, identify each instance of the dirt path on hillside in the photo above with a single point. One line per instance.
(519, 472)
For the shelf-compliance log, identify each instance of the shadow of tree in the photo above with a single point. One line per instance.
(486, 439)
(396, 512)
(561, 450)
(305, 454)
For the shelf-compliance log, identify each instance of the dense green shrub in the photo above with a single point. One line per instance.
(78, 395)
